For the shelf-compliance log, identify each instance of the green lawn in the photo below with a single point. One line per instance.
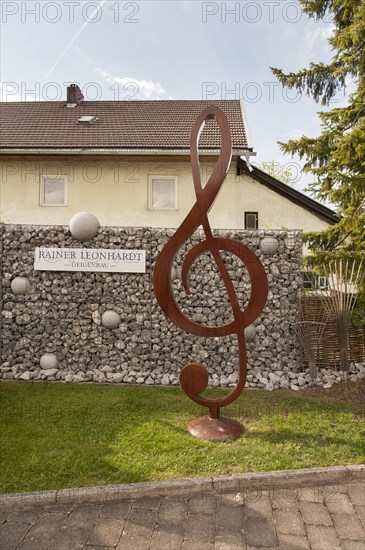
(55, 436)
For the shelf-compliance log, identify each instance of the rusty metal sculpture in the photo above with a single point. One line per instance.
(194, 377)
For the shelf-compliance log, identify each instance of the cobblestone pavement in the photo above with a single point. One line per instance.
(313, 516)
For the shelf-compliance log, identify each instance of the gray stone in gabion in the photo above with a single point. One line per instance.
(110, 319)
(96, 317)
(106, 369)
(250, 332)
(49, 372)
(84, 226)
(20, 286)
(48, 361)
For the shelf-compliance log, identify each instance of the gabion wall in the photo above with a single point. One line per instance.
(61, 313)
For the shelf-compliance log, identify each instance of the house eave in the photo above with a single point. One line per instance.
(246, 126)
(113, 151)
(289, 193)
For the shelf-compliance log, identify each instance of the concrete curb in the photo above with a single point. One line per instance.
(217, 485)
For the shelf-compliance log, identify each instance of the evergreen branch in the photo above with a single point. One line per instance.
(321, 81)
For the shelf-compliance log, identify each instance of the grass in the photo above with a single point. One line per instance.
(55, 436)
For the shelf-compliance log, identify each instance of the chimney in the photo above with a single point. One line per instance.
(74, 95)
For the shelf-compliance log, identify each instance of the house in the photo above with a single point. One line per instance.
(128, 162)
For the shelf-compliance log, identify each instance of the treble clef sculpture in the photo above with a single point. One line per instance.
(194, 377)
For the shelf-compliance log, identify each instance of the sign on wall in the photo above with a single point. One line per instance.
(90, 259)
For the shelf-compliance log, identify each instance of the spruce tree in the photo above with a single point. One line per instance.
(337, 156)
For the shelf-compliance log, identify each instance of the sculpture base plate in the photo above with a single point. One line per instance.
(215, 429)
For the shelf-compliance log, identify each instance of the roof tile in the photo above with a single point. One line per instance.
(120, 125)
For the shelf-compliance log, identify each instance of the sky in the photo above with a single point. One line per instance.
(166, 49)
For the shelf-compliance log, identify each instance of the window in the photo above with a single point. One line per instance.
(162, 193)
(307, 280)
(312, 281)
(53, 191)
(88, 119)
(322, 283)
(251, 220)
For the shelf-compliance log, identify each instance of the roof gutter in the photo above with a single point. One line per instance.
(136, 152)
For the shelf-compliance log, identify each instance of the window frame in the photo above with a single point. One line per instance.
(150, 193)
(42, 190)
(307, 280)
(313, 281)
(256, 214)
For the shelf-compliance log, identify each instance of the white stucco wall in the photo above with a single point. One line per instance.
(117, 193)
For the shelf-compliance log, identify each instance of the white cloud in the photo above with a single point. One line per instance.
(9, 92)
(133, 88)
(316, 45)
(320, 33)
(12, 91)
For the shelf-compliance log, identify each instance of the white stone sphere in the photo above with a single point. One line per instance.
(48, 361)
(84, 226)
(110, 319)
(269, 245)
(20, 285)
(250, 332)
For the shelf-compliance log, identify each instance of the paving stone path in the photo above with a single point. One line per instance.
(311, 517)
